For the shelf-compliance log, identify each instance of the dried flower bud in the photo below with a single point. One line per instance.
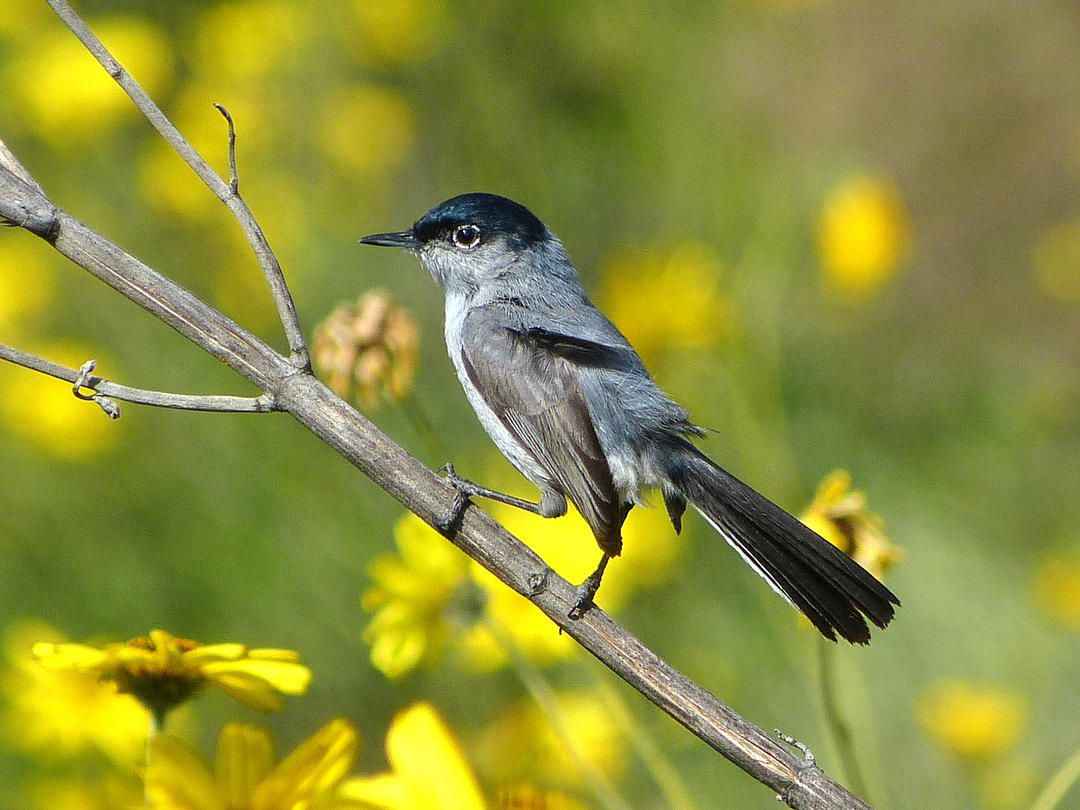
(368, 350)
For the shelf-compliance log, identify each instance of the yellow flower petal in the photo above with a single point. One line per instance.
(288, 677)
(245, 756)
(311, 771)
(425, 755)
(384, 791)
(68, 656)
(177, 778)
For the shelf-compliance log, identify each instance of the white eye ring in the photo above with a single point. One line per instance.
(466, 236)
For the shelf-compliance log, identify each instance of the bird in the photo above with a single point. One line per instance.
(568, 401)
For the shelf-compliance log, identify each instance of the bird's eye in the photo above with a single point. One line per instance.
(466, 236)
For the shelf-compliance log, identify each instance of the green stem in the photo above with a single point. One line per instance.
(838, 728)
(1060, 784)
(151, 732)
(660, 768)
(542, 693)
(418, 418)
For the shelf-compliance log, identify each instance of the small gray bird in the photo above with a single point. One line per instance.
(568, 401)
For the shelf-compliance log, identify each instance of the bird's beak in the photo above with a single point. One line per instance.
(402, 239)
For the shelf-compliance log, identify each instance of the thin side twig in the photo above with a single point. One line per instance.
(227, 193)
(139, 396)
(234, 174)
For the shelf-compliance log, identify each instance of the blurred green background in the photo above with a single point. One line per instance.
(867, 217)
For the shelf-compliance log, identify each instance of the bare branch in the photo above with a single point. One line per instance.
(286, 307)
(417, 488)
(105, 390)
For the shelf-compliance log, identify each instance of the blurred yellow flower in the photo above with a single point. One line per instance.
(395, 31)
(528, 797)
(413, 597)
(1057, 261)
(42, 410)
(366, 130)
(25, 281)
(1057, 589)
(368, 349)
(863, 235)
(970, 720)
(244, 776)
(429, 771)
(247, 39)
(521, 745)
(65, 95)
(162, 671)
(62, 714)
(666, 297)
(840, 515)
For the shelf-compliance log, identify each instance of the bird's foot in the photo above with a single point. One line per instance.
(585, 593)
(464, 490)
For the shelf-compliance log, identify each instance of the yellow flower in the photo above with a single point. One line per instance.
(366, 130)
(522, 746)
(43, 411)
(1057, 261)
(65, 95)
(162, 671)
(667, 297)
(413, 595)
(25, 282)
(841, 515)
(863, 234)
(973, 721)
(62, 714)
(428, 769)
(1057, 589)
(368, 349)
(244, 776)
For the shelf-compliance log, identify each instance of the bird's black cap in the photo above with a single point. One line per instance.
(492, 214)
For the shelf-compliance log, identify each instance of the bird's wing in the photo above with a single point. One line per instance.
(534, 392)
(580, 350)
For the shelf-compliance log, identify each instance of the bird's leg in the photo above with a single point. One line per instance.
(467, 489)
(587, 590)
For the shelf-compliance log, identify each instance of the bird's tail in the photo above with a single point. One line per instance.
(830, 588)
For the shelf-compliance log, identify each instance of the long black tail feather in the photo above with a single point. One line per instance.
(828, 587)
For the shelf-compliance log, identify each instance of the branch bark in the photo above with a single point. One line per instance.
(288, 385)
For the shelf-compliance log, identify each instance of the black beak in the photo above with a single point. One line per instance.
(402, 239)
